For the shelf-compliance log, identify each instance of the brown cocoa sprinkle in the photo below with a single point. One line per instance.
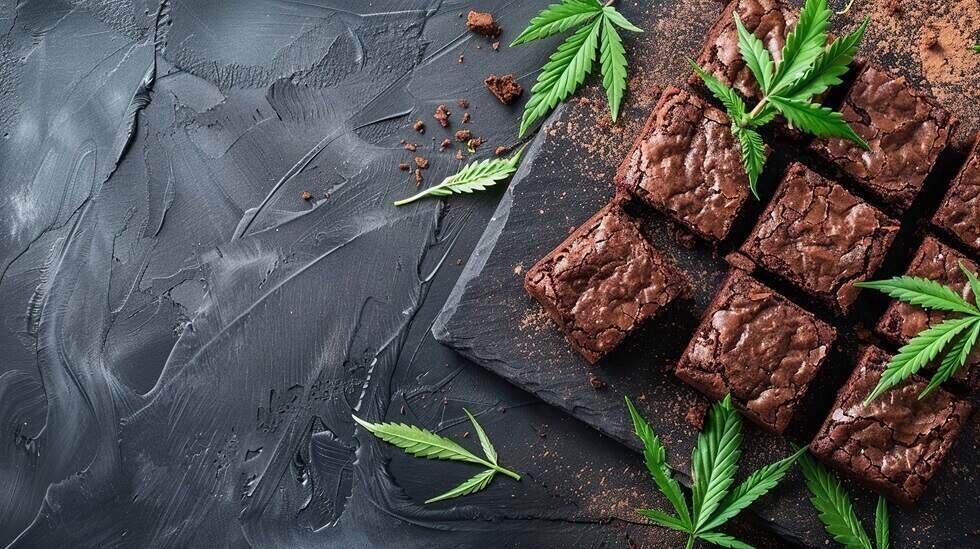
(306, 195)
(466, 117)
(422, 163)
(463, 135)
(410, 147)
(459, 154)
(404, 167)
(482, 23)
(418, 177)
(504, 87)
(596, 382)
(463, 104)
(446, 143)
(500, 151)
(419, 126)
(442, 116)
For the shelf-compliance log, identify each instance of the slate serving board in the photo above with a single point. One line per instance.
(490, 320)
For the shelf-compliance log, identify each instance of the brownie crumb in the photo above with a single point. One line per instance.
(466, 118)
(495, 45)
(410, 147)
(446, 143)
(459, 154)
(418, 177)
(504, 87)
(306, 196)
(460, 60)
(442, 116)
(422, 163)
(419, 126)
(474, 144)
(596, 383)
(463, 103)
(404, 167)
(482, 23)
(463, 135)
(500, 151)
(695, 414)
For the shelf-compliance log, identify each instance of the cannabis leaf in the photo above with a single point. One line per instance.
(419, 442)
(922, 349)
(714, 464)
(976, 48)
(472, 177)
(808, 66)
(836, 511)
(567, 68)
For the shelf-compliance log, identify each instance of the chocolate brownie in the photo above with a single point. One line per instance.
(959, 214)
(938, 262)
(820, 237)
(686, 163)
(720, 56)
(602, 282)
(905, 129)
(895, 444)
(758, 346)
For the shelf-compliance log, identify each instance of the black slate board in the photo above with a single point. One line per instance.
(490, 320)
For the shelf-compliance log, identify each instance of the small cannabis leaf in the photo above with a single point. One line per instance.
(976, 48)
(962, 332)
(472, 177)
(419, 442)
(807, 68)
(836, 511)
(714, 464)
(567, 68)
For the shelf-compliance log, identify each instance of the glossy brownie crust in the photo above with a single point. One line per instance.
(895, 444)
(820, 237)
(602, 282)
(767, 19)
(687, 164)
(935, 261)
(758, 346)
(905, 129)
(959, 214)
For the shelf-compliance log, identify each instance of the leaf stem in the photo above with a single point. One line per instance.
(417, 196)
(503, 470)
(690, 541)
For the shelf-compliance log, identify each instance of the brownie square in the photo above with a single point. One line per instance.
(895, 444)
(687, 164)
(767, 19)
(902, 321)
(820, 237)
(905, 128)
(959, 213)
(757, 346)
(602, 282)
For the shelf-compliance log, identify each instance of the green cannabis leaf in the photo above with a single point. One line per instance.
(922, 349)
(567, 68)
(714, 464)
(419, 442)
(807, 68)
(472, 177)
(836, 511)
(976, 48)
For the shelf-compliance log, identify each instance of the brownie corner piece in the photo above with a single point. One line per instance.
(905, 129)
(820, 238)
(687, 164)
(769, 20)
(757, 346)
(959, 213)
(895, 444)
(602, 282)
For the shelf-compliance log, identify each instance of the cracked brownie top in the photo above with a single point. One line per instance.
(758, 346)
(905, 130)
(895, 444)
(959, 214)
(687, 164)
(820, 237)
(603, 281)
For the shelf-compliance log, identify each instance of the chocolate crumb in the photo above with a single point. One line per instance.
(422, 163)
(482, 23)
(504, 87)
(500, 151)
(418, 177)
(442, 116)
(404, 167)
(460, 60)
(459, 154)
(474, 144)
(410, 147)
(466, 117)
(463, 135)
(596, 382)
(495, 45)
(306, 195)
(419, 126)
(695, 414)
(446, 143)
(463, 104)
(459, 262)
